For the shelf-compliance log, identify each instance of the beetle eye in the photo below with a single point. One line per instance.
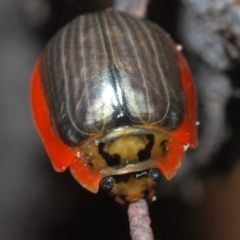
(155, 174)
(107, 184)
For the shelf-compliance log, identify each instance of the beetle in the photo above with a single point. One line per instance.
(113, 99)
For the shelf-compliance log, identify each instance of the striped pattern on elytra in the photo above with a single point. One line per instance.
(107, 70)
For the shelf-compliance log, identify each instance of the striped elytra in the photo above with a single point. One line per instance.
(109, 70)
(111, 96)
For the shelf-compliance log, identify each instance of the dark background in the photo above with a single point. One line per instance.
(202, 202)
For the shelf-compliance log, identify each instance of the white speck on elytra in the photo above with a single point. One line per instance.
(96, 142)
(197, 123)
(179, 47)
(185, 147)
(62, 169)
(154, 198)
(179, 165)
(78, 154)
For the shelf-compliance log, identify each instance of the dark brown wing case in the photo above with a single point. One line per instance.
(106, 70)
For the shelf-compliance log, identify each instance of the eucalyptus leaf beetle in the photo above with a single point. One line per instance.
(113, 99)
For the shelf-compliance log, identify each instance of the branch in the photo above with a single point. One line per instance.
(139, 221)
(136, 8)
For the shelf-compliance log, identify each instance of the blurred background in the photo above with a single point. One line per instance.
(202, 202)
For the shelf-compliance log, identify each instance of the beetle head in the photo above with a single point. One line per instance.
(133, 186)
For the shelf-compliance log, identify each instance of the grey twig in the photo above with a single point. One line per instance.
(139, 221)
(136, 8)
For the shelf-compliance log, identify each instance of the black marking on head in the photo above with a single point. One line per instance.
(107, 183)
(145, 153)
(155, 174)
(122, 178)
(112, 160)
(141, 174)
(164, 147)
